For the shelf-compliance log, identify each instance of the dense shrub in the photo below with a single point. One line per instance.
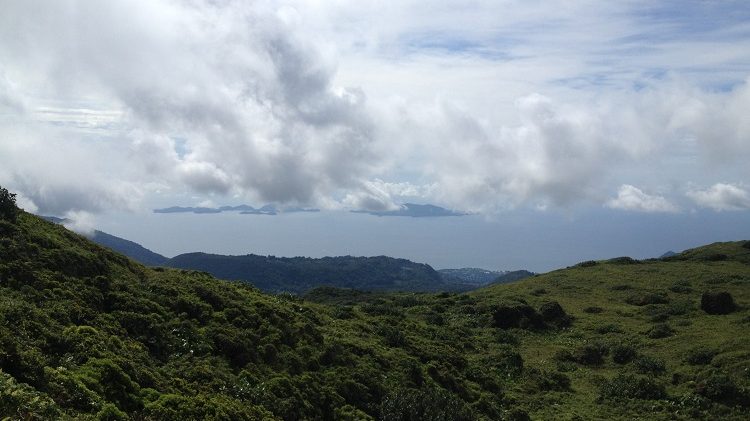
(587, 354)
(722, 388)
(700, 356)
(21, 401)
(660, 330)
(393, 336)
(630, 386)
(520, 315)
(541, 380)
(506, 337)
(746, 244)
(715, 257)
(623, 353)
(516, 414)
(625, 260)
(553, 314)
(587, 264)
(645, 298)
(343, 312)
(649, 365)
(593, 310)
(717, 302)
(429, 403)
(681, 287)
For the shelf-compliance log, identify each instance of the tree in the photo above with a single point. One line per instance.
(8, 209)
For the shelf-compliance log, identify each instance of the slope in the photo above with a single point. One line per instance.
(88, 333)
(129, 248)
(120, 245)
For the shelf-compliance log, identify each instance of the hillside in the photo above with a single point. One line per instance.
(300, 274)
(120, 245)
(512, 276)
(86, 332)
(296, 275)
(129, 248)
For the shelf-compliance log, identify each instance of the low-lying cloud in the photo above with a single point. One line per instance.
(722, 197)
(631, 198)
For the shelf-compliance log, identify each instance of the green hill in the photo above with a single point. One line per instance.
(300, 274)
(87, 333)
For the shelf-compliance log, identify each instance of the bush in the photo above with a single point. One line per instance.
(343, 312)
(746, 244)
(629, 386)
(681, 287)
(721, 388)
(716, 257)
(625, 260)
(521, 315)
(587, 354)
(8, 209)
(700, 356)
(553, 313)
(424, 404)
(509, 361)
(623, 354)
(587, 264)
(645, 298)
(717, 302)
(540, 380)
(516, 414)
(649, 365)
(110, 412)
(660, 330)
(506, 337)
(593, 310)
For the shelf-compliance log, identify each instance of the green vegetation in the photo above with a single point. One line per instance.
(300, 274)
(8, 209)
(87, 333)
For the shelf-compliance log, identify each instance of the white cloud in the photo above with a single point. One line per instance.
(631, 198)
(478, 107)
(722, 197)
(25, 203)
(372, 196)
(82, 222)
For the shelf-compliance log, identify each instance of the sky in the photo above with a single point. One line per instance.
(631, 109)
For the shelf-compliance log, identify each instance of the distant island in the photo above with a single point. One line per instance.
(415, 211)
(407, 209)
(242, 209)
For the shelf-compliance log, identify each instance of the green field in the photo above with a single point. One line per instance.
(89, 334)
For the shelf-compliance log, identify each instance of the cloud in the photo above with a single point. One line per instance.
(82, 222)
(631, 198)
(249, 95)
(480, 107)
(373, 196)
(722, 197)
(26, 204)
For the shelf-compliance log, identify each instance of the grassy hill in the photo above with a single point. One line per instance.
(87, 333)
